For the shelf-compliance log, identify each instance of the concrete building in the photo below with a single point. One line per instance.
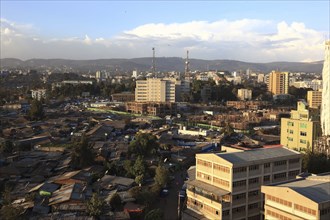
(152, 108)
(244, 94)
(38, 94)
(314, 99)
(301, 129)
(160, 90)
(325, 107)
(123, 97)
(304, 198)
(228, 185)
(278, 82)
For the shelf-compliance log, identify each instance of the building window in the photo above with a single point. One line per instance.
(279, 176)
(253, 206)
(266, 165)
(303, 133)
(278, 216)
(303, 125)
(302, 141)
(290, 123)
(290, 139)
(220, 182)
(221, 168)
(267, 178)
(217, 212)
(305, 209)
(290, 131)
(239, 209)
(239, 183)
(239, 169)
(225, 213)
(294, 173)
(239, 196)
(253, 193)
(204, 163)
(279, 201)
(253, 167)
(203, 176)
(254, 180)
(280, 163)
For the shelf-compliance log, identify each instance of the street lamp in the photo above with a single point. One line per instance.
(105, 136)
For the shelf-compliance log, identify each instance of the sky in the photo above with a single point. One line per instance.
(251, 31)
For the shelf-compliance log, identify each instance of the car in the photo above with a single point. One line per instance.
(164, 192)
(182, 194)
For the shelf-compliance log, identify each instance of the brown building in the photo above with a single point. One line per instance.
(152, 108)
(304, 198)
(314, 99)
(278, 83)
(123, 97)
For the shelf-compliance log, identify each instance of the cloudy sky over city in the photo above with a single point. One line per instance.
(254, 31)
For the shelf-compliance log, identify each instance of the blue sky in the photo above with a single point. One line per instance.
(113, 29)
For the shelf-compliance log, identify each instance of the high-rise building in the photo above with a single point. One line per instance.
(303, 198)
(314, 99)
(160, 90)
(228, 185)
(244, 94)
(38, 94)
(325, 107)
(301, 129)
(278, 82)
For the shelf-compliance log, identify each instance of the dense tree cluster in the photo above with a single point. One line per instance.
(82, 155)
(314, 162)
(144, 144)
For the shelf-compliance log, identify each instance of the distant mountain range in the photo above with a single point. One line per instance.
(162, 64)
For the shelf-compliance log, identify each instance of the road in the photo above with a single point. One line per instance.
(169, 204)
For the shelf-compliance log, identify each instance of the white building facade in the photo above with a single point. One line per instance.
(325, 107)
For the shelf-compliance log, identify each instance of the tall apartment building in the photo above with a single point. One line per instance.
(244, 94)
(38, 94)
(278, 82)
(314, 99)
(301, 129)
(304, 198)
(325, 108)
(160, 90)
(228, 185)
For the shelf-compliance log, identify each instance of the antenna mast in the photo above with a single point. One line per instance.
(187, 71)
(153, 62)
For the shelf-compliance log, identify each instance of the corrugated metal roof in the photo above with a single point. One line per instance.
(316, 189)
(257, 155)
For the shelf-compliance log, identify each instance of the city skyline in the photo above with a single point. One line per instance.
(252, 31)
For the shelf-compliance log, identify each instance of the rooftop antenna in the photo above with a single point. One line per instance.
(153, 63)
(186, 70)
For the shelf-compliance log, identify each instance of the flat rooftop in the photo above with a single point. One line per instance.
(257, 155)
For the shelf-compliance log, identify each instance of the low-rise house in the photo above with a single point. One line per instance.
(109, 182)
(70, 197)
(78, 176)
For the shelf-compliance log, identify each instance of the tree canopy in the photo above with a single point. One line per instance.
(145, 144)
(82, 155)
(162, 176)
(36, 111)
(94, 206)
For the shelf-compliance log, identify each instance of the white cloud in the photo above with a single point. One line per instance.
(246, 39)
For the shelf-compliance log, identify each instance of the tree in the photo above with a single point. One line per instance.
(82, 155)
(155, 214)
(7, 147)
(10, 212)
(139, 167)
(95, 206)
(145, 144)
(36, 110)
(162, 176)
(139, 179)
(315, 162)
(115, 202)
